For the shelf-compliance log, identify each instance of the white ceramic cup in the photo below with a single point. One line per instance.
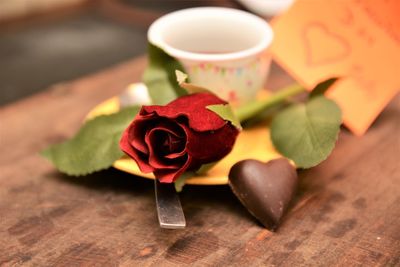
(222, 49)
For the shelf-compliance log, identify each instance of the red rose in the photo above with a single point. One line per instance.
(181, 136)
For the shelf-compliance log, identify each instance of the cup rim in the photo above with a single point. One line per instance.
(154, 35)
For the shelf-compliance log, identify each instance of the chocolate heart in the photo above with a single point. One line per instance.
(265, 189)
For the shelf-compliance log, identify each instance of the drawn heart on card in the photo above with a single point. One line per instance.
(323, 46)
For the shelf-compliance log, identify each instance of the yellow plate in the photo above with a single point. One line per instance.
(252, 143)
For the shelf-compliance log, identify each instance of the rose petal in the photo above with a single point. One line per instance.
(174, 144)
(156, 159)
(138, 128)
(136, 133)
(169, 176)
(175, 155)
(193, 107)
(140, 158)
(206, 147)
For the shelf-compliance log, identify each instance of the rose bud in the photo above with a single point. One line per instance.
(180, 136)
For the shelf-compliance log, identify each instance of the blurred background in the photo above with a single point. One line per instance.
(44, 42)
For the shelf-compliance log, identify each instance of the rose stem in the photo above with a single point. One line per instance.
(251, 109)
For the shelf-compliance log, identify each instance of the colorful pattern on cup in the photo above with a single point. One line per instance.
(233, 81)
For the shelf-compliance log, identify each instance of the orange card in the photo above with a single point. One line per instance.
(357, 40)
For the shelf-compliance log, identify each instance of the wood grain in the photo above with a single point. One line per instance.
(346, 211)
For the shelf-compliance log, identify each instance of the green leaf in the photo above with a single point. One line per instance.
(225, 112)
(95, 147)
(159, 76)
(206, 167)
(307, 133)
(190, 88)
(180, 182)
(322, 87)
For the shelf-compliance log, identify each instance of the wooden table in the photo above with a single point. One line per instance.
(346, 211)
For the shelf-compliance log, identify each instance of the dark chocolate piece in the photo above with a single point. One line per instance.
(265, 189)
